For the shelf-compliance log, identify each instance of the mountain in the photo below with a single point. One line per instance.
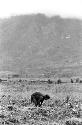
(33, 44)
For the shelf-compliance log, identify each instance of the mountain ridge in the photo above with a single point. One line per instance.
(37, 41)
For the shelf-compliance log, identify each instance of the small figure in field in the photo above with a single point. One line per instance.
(59, 81)
(49, 81)
(71, 80)
(37, 98)
(80, 81)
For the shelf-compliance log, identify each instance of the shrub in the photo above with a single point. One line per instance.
(49, 81)
(59, 81)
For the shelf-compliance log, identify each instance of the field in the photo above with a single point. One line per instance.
(63, 108)
(37, 46)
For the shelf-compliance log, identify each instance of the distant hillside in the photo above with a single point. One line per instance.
(34, 43)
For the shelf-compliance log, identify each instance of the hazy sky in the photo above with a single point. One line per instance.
(50, 7)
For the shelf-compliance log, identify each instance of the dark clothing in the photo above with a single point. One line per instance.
(37, 98)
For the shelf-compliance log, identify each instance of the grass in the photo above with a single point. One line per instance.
(63, 108)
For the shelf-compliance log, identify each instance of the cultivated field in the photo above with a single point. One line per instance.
(63, 108)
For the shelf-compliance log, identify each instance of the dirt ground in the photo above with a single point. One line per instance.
(63, 108)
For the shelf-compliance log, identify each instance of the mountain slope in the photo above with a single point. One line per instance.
(31, 43)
